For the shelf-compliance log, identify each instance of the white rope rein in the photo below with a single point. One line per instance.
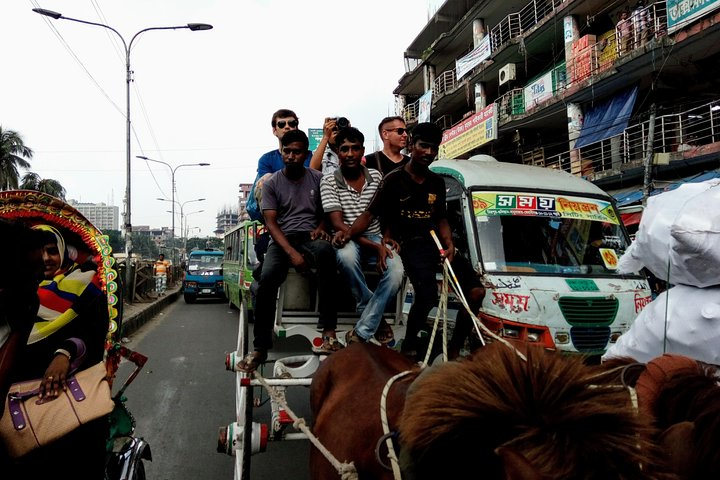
(386, 427)
(346, 471)
(458, 291)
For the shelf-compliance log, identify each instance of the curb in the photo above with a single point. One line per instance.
(135, 321)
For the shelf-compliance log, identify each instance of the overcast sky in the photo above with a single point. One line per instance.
(203, 96)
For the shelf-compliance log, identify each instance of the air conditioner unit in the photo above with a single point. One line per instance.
(507, 73)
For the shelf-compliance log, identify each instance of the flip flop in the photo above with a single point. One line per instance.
(252, 361)
(384, 333)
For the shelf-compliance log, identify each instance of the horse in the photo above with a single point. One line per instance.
(681, 397)
(496, 414)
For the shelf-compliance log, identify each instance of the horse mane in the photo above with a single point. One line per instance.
(552, 409)
(675, 390)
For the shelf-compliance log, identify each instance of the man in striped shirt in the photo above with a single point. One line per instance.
(345, 194)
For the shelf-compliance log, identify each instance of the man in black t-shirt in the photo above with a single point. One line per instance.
(394, 136)
(411, 203)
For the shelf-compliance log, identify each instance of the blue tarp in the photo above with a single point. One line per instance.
(635, 196)
(607, 119)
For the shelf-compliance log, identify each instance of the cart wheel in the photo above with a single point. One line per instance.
(244, 402)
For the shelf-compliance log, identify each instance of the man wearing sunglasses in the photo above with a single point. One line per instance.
(394, 136)
(346, 193)
(411, 201)
(283, 121)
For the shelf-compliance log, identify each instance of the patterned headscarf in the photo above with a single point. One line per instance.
(62, 297)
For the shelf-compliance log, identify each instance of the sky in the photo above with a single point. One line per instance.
(196, 97)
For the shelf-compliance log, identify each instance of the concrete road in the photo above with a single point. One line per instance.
(184, 394)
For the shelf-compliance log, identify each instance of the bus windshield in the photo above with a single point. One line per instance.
(208, 264)
(586, 240)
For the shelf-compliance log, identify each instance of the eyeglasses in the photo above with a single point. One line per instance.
(399, 130)
(291, 124)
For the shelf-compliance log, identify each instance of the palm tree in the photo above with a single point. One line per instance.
(33, 181)
(13, 155)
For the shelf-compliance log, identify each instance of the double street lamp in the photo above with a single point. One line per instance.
(172, 181)
(128, 78)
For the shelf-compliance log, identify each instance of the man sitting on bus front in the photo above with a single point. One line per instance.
(346, 193)
(411, 200)
(294, 217)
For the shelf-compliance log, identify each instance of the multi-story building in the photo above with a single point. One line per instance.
(104, 217)
(226, 219)
(242, 200)
(625, 95)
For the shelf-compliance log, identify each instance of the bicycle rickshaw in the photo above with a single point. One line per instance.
(528, 232)
(125, 452)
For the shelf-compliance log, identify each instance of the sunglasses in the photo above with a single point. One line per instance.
(291, 124)
(399, 130)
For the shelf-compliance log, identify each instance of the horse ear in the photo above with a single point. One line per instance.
(516, 466)
(677, 442)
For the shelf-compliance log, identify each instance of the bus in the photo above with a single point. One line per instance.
(239, 261)
(203, 275)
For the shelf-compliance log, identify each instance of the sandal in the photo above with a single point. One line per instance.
(384, 333)
(329, 345)
(352, 337)
(252, 361)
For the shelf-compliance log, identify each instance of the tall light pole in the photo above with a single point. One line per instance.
(182, 205)
(128, 78)
(172, 181)
(186, 226)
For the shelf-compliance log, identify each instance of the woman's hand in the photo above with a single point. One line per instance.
(55, 377)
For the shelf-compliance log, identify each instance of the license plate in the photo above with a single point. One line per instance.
(206, 290)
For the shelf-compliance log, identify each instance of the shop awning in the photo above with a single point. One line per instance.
(629, 219)
(607, 119)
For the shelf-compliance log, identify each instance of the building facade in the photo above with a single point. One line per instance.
(625, 95)
(104, 217)
(226, 219)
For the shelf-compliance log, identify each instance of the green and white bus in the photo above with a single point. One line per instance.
(239, 261)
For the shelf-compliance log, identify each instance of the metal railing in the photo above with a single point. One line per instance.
(675, 135)
(444, 82)
(506, 30)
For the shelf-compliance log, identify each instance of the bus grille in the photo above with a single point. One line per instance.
(590, 339)
(589, 311)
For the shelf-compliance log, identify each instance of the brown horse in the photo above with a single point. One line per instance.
(345, 402)
(494, 415)
(681, 397)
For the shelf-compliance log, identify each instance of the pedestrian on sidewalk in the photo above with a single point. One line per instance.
(160, 272)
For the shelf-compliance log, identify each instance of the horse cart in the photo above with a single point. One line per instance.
(545, 244)
(125, 451)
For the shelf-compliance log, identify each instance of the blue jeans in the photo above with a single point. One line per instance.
(320, 254)
(350, 260)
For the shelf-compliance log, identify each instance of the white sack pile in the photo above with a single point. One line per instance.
(678, 240)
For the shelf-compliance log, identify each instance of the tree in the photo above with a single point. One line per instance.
(13, 155)
(33, 181)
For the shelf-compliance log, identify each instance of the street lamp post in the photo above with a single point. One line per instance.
(182, 205)
(128, 78)
(186, 226)
(172, 181)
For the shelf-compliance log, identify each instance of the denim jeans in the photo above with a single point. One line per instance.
(320, 254)
(350, 260)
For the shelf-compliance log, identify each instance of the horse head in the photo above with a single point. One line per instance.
(505, 417)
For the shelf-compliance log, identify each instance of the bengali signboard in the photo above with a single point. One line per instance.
(471, 60)
(682, 12)
(495, 204)
(538, 91)
(470, 133)
(314, 136)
